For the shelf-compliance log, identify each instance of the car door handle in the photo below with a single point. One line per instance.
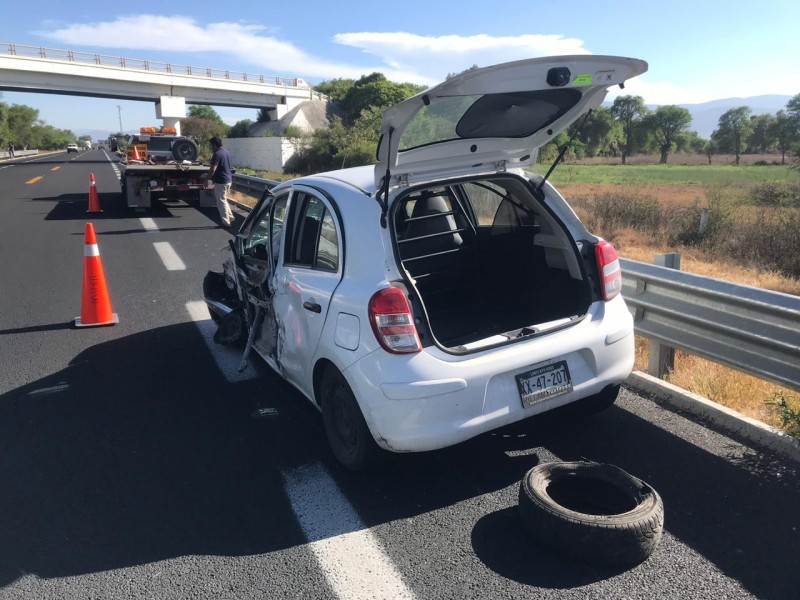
(312, 306)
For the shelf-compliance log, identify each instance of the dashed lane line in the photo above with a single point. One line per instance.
(349, 555)
(34, 180)
(227, 358)
(169, 257)
(148, 224)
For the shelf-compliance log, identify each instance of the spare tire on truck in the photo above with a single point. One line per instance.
(184, 149)
(596, 513)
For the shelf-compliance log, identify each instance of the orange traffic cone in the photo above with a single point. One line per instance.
(95, 304)
(94, 199)
(135, 155)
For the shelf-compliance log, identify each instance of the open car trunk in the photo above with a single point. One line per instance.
(489, 262)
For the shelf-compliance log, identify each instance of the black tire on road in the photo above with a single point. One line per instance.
(348, 434)
(595, 513)
(184, 149)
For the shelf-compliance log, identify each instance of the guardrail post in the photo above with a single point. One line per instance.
(661, 358)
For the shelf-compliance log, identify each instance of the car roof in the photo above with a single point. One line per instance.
(361, 178)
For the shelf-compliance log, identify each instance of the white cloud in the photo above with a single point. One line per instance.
(659, 92)
(248, 43)
(431, 58)
(400, 56)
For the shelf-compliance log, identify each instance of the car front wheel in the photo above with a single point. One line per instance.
(347, 432)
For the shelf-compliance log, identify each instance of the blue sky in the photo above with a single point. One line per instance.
(697, 51)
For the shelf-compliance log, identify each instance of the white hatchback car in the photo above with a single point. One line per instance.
(448, 290)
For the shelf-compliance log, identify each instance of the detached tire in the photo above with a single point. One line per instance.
(184, 149)
(348, 434)
(595, 513)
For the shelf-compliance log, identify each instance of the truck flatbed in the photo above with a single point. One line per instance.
(142, 182)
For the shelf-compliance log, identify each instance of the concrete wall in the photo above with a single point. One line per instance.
(262, 153)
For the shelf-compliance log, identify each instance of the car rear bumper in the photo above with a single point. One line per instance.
(432, 399)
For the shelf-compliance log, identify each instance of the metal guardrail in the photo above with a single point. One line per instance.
(143, 65)
(255, 186)
(750, 329)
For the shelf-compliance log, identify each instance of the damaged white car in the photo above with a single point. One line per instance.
(448, 290)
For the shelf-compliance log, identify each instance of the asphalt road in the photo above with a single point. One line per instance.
(136, 463)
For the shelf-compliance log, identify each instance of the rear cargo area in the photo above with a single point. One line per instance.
(488, 262)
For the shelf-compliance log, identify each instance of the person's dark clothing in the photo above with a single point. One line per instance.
(222, 161)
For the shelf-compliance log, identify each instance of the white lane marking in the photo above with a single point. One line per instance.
(349, 555)
(169, 257)
(227, 358)
(148, 224)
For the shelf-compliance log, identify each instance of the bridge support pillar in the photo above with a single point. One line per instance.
(171, 109)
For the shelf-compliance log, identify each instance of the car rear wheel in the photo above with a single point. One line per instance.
(347, 432)
(596, 513)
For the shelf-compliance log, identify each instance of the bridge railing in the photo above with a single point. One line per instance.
(139, 64)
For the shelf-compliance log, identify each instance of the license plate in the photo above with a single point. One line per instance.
(547, 381)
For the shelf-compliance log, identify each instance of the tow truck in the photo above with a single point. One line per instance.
(161, 164)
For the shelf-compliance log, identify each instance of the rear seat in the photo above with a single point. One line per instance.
(436, 242)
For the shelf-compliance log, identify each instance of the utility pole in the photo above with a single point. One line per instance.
(119, 110)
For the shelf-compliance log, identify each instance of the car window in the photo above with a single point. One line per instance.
(278, 218)
(485, 198)
(494, 205)
(269, 222)
(314, 241)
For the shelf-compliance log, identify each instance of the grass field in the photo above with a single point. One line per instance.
(682, 175)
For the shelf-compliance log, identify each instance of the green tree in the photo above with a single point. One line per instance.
(4, 133)
(733, 130)
(264, 115)
(598, 133)
(239, 129)
(690, 141)
(665, 125)
(21, 120)
(629, 110)
(785, 132)
(201, 131)
(710, 149)
(374, 91)
(335, 89)
(202, 111)
(793, 107)
(761, 138)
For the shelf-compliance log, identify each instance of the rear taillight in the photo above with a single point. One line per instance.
(609, 269)
(390, 316)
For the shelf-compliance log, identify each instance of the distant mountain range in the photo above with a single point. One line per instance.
(705, 116)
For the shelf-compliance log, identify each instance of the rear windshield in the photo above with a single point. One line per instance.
(509, 115)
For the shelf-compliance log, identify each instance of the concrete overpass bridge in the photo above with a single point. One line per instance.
(170, 87)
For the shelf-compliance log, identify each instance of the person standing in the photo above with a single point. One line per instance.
(11, 149)
(221, 176)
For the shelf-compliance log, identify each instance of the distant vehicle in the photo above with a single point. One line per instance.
(87, 144)
(72, 148)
